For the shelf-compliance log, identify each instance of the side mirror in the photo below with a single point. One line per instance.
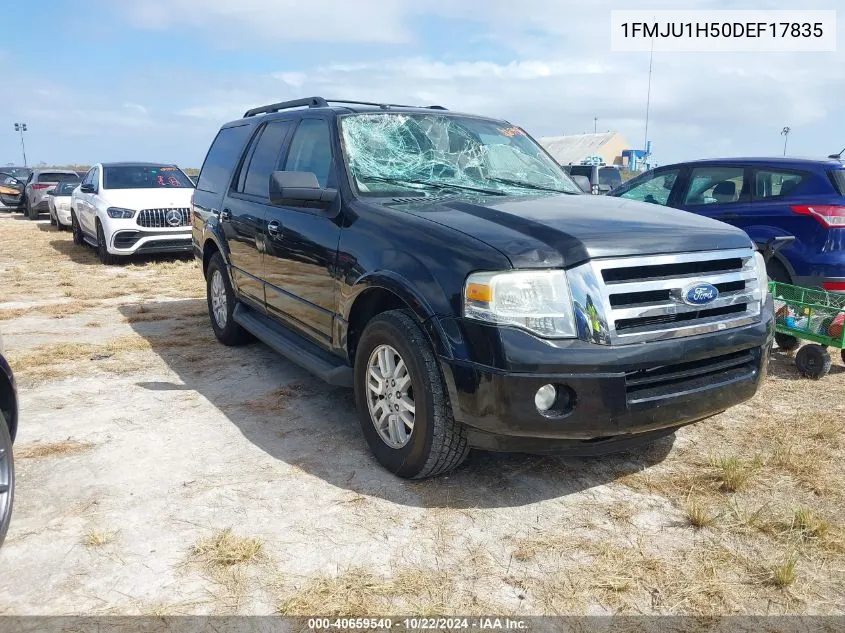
(583, 183)
(299, 189)
(87, 188)
(51, 191)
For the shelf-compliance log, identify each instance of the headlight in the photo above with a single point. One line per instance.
(762, 275)
(117, 213)
(537, 301)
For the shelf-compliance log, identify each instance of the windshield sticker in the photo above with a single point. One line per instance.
(511, 131)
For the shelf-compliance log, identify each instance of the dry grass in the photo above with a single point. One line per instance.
(58, 353)
(53, 449)
(225, 549)
(278, 399)
(93, 539)
(698, 515)
(782, 576)
(409, 589)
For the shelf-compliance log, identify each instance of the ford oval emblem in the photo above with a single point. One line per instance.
(700, 294)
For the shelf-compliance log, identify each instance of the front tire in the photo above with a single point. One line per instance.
(29, 211)
(102, 249)
(76, 230)
(7, 478)
(402, 402)
(221, 304)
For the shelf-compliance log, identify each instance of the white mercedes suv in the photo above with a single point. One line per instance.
(127, 208)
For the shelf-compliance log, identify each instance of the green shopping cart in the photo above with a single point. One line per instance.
(808, 314)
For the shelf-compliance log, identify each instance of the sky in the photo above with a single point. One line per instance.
(106, 80)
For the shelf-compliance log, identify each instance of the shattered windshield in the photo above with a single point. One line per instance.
(399, 152)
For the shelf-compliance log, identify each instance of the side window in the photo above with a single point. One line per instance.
(775, 184)
(311, 150)
(87, 179)
(95, 178)
(265, 158)
(222, 158)
(655, 190)
(716, 185)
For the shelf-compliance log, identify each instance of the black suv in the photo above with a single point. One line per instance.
(447, 268)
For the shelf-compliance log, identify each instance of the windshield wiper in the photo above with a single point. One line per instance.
(528, 185)
(433, 184)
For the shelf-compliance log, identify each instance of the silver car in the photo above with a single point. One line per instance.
(35, 195)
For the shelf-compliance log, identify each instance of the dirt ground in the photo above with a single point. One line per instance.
(162, 473)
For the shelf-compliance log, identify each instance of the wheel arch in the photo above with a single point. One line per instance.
(376, 294)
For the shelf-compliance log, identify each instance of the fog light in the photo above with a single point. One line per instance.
(545, 398)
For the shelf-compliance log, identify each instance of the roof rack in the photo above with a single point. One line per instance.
(320, 102)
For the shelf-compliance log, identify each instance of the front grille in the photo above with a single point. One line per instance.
(154, 245)
(646, 385)
(164, 218)
(644, 295)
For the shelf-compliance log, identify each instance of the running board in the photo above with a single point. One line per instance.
(89, 240)
(294, 347)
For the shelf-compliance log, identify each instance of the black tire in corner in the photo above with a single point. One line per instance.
(777, 272)
(786, 343)
(7, 478)
(437, 442)
(813, 361)
(76, 230)
(102, 251)
(225, 329)
(29, 212)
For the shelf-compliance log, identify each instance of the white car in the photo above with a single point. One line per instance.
(58, 200)
(127, 208)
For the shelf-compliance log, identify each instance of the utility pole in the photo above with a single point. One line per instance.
(595, 124)
(21, 127)
(785, 134)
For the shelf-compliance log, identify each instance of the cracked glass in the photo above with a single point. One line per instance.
(391, 153)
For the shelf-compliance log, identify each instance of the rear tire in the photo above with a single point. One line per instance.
(813, 361)
(29, 211)
(786, 343)
(102, 250)
(436, 443)
(221, 304)
(7, 478)
(76, 230)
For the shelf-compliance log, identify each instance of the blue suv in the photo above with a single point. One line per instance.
(766, 197)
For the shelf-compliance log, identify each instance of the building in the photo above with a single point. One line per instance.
(575, 148)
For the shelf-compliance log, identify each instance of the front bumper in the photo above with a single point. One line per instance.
(132, 241)
(622, 395)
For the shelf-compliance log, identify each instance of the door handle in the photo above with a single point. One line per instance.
(225, 215)
(274, 229)
(728, 216)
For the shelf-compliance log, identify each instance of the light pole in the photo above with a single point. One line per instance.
(595, 125)
(21, 127)
(785, 134)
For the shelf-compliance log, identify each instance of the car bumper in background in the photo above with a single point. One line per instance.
(834, 284)
(613, 397)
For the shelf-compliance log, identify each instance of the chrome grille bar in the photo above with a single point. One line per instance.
(158, 218)
(641, 297)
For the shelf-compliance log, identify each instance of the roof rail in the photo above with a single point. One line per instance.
(383, 106)
(320, 102)
(311, 102)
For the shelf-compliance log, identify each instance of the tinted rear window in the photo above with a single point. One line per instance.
(838, 178)
(581, 170)
(222, 158)
(56, 177)
(610, 176)
(66, 188)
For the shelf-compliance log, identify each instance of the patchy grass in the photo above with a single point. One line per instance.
(698, 515)
(783, 575)
(225, 549)
(732, 473)
(52, 449)
(93, 539)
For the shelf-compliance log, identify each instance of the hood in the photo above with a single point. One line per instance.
(148, 198)
(565, 230)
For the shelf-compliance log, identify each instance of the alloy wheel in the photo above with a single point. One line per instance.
(390, 396)
(219, 302)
